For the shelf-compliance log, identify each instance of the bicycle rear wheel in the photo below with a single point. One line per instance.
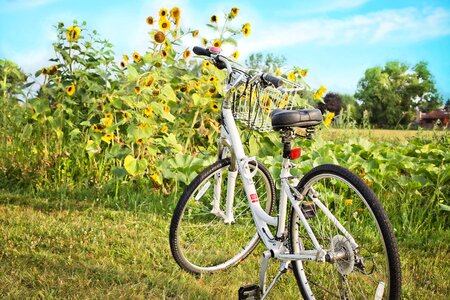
(372, 271)
(200, 240)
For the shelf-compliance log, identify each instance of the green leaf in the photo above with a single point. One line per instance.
(133, 75)
(230, 41)
(134, 166)
(74, 132)
(119, 172)
(168, 93)
(117, 151)
(444, 207)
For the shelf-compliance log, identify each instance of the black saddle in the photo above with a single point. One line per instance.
(295, 118)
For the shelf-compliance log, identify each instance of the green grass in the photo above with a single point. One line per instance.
(85, 249)
(386, 135)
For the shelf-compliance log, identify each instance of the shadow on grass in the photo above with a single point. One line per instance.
(47, 201)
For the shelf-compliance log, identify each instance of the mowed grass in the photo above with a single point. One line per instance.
(84, 250)
(385, 135)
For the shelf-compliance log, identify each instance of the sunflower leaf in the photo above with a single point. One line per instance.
(230, 41)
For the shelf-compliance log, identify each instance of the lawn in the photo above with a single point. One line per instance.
(53, 248)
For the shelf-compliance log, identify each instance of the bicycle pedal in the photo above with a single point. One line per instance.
(309, 209)
(250, 292)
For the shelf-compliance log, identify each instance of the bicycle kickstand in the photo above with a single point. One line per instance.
(284, 266)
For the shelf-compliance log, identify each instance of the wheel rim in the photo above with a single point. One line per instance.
(205, 242)
(360, 274)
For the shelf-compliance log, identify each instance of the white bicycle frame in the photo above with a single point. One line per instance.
(230, 139)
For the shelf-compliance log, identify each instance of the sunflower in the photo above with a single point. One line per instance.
(348, 202)
(166, 109)
(107, 138)
(70, 89)
(164, 24)
(278, 72)
(163, 13)
(234, 12)
(147, 81)
(328, 119)
(140, 141)
(44, 71)
(186, 54)
(213, 19)
(150, 20)
(97, 127)
(148, 112)
(155, 92)
(125, 58)
(52, 70)
(107, 122)
(303, 72)
(164, 129)
(137, 90)
(196, 84)
(159, 37)
(291, 76)
(195, 33)
(164, 53)
(204, 41)
(217, 43)
(142, 126)
(163, 101)
(246, 29)
(320, 92)
(126, 114)
(155, 177)
(235, 54)
(206, 64)
(175, 13)
(212, 90)
(214, 106)
(123, 64)
(73, 33)
(108, 115)
(212, 79)
(136, 57)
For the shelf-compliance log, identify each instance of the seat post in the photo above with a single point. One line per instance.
(287, 135)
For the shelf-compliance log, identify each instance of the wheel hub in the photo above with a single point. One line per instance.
(342, 248)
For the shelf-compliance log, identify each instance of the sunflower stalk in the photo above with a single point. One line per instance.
(191, 131)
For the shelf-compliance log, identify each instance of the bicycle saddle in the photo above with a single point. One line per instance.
(295, 118)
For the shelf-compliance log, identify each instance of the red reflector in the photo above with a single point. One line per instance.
(296, 153)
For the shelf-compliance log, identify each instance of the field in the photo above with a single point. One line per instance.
(74, 245)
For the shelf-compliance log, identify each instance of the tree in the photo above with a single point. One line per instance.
(447, 105)
(12, 81)
(332, 102)
(391, 94)
(267, 63)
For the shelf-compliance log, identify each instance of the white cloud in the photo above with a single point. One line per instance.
(327, 6)
(401, 25)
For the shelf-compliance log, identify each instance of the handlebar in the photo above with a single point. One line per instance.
(222, 62)
(202, 51)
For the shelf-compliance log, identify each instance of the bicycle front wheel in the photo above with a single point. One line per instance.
(202, 239)
(370, 271)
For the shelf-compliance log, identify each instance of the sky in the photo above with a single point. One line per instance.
(336, 40)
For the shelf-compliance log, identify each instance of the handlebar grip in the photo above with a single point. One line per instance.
(277, 82)
(201, 51)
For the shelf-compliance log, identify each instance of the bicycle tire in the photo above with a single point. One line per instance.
(216, 245)
(375, 265)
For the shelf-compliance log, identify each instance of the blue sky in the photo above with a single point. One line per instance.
(337, 40)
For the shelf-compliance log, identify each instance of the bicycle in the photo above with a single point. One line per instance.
(336, 238)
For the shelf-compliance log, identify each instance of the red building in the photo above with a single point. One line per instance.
(436, 117)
